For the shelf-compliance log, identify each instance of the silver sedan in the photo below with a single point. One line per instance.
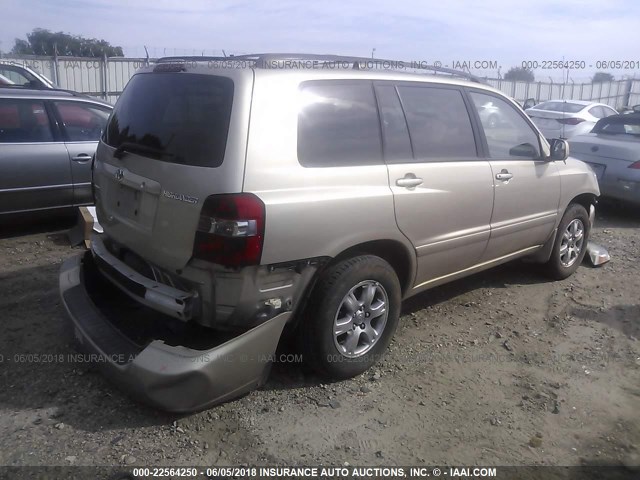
(612, 149)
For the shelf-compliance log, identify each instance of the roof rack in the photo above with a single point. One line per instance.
(40, 88)
(271, 60)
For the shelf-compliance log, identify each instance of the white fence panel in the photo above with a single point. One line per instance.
(107, 77)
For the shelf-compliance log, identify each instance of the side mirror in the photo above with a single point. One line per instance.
(528, 103)
(559, 149)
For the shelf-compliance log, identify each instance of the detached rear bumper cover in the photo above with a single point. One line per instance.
(172, 378)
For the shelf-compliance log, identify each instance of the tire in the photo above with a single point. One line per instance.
(568, 251)
(339, 303)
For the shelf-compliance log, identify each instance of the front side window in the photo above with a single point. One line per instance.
(24, 121)
(338, 125)
(439, 124)
(508, 134)
(82, 122)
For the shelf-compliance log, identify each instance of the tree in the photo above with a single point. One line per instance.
(601, 77)
(520, 74)
(43, 42)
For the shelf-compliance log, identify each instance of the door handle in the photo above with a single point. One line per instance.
(83, 157)
(409, 181)
(504, 175)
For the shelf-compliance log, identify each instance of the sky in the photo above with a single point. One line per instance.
(506, 32)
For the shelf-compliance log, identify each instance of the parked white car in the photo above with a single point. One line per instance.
(567, 118)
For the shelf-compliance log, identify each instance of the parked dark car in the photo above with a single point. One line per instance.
(47, 140)
(613, 151)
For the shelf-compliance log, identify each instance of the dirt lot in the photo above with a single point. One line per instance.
(503, 368)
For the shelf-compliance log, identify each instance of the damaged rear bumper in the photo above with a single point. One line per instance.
(173, 378)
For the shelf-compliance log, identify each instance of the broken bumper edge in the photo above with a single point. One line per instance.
(172, 378)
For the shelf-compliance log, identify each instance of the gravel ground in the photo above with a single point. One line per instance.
(502, 368)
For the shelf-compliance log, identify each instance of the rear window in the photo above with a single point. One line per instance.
(567, 107)
(174, 117)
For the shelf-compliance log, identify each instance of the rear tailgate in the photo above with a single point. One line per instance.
(174, 138)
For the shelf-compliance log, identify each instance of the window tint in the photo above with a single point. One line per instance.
(174, 117)
(338, 125)
(438, 121)
(24, 121)
(508, 134)
(82, 121)
(395, 136)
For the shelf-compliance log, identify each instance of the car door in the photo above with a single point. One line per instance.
(34, 164)
(443, 191)
(526, 186)
(82, 126)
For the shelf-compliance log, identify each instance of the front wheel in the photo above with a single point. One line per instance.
(570, 244)
(351, 317)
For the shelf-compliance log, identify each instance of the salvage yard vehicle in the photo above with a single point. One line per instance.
(23, 76)
(47, 140)
(568, 118)
(612, 149)
(242, 197)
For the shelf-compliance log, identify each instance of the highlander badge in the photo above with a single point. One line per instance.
(180, 196)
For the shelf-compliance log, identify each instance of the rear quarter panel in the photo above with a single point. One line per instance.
(311, 212)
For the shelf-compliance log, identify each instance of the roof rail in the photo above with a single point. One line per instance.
(272, 60)
(45, 89)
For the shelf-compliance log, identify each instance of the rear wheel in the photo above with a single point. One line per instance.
(571, 243)
(351, 316)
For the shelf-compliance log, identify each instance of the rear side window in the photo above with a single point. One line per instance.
(439, 124)
(396, 142)
(174, 117)
(82, 122)
(24, 121)
(597, 112)
(338, 125)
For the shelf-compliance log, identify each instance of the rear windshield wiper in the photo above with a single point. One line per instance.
(137, 148)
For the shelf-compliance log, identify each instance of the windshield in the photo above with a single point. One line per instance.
(623, 125)
(173, 117)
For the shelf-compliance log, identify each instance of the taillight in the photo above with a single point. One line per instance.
(231, 230)
(635, 165)
(570, 121)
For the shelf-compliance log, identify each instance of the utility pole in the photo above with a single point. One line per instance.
(372, 52)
